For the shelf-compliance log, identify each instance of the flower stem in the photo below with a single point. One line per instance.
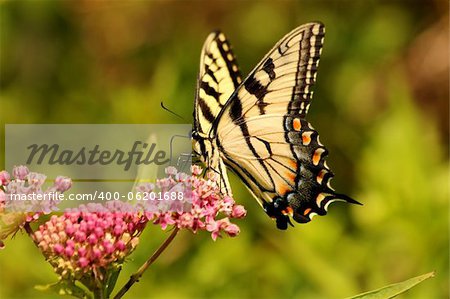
(98, 293)
(135, 277)
(30, 232)
(28, 229)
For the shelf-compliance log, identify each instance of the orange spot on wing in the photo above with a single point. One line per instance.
(306, 212)
(288, 211)
(306, 138)
(291, 176)
(320, 176)
(319, 199)
(316, 157)
(283, 189)
(296, 124)
(293, 164)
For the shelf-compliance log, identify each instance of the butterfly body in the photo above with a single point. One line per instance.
(258, 127)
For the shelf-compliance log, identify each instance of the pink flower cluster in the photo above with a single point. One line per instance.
(90, 239)
(14, 210)
(86, 242)
(205, 207)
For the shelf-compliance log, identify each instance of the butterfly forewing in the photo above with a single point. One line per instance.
(218, 78)
(263, 136)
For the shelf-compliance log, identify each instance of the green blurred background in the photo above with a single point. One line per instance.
(380, 105)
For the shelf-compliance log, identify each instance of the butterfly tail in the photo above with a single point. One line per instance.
(347, 199)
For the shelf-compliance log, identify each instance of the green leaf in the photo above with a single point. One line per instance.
(112, 280)
(395, 289)
(64, 287)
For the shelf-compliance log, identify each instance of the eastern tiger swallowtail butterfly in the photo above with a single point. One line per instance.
(257, 127)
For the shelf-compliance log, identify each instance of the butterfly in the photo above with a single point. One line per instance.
(257, 127)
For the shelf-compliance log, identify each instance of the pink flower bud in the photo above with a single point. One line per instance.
(196, 170)
(70, 243)
(92, 239)
(60, 226)
(120, 245)
(47, 238)
(80, 236)
(54, 219)
(38, 236)
(72, 216)
(36, 179)
(96, 254)
(43, 246)
(20, 172)
(68, 251)
(232, 230)
(62, 183)
(109, 222)
(58, 248)
(118, 221)
(90, 225)
(109, 247)
(4, 178)
(2, 197)
(83, 262)
(117, 230)
(83, 226)
(82, 251)
(70, 230)
(238, 212)
(171, 170)
(50, 228)
(98, 231)
(62, 235)
(131, 226)
(55, 237)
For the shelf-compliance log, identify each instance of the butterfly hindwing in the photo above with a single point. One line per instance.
(263, 136)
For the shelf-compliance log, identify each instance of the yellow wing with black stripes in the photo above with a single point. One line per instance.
(260, 131)
(218, 78)
(265, 139)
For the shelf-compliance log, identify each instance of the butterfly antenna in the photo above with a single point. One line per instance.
(168, 110)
